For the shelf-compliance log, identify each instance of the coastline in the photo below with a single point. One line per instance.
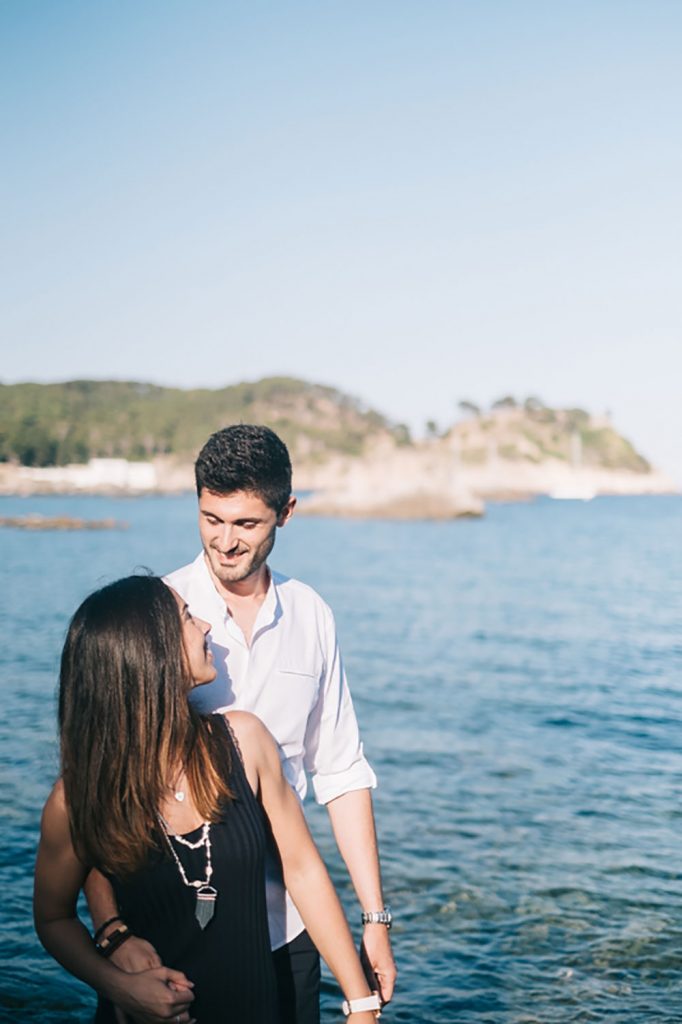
(418, 482)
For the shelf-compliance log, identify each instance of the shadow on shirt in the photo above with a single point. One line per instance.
(220, 693)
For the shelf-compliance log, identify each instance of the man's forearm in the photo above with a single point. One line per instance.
(353, 824)
(352, 820)
(135, 954)
(100, 896)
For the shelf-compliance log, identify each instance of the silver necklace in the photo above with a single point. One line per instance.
(206, 894)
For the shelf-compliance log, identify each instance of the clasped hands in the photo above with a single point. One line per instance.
(154, 994)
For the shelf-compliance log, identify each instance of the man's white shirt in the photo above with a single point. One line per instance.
(291, 676)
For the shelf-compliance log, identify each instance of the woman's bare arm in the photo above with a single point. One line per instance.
(305, 875)
(59, 876)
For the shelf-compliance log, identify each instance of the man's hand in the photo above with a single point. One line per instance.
(135, 955)
(155, 997)
(377, 960)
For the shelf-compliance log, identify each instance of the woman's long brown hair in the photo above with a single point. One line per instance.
(126, 725)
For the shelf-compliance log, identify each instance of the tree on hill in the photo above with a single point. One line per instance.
(508, 402)
(533, 404)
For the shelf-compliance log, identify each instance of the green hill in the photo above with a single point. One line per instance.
(56, 424)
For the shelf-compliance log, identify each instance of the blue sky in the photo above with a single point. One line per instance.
(416, 202)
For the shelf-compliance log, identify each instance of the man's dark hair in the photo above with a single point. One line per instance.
(245, 457)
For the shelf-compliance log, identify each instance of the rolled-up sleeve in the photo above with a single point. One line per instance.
(333, 752)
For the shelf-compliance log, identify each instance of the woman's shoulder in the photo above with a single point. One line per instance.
(249, 738)
(252, 736)
(55, 817)
(246, 726)
(56, 801)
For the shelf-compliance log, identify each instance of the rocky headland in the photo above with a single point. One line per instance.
(353, 459)
(510, 453)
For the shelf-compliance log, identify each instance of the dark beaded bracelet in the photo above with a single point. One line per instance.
(100, 931)
(115, 939)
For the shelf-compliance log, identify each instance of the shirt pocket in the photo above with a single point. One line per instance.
(303, 682)
(291, 703)
(289, 669)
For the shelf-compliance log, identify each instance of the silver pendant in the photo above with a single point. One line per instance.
(205, 908)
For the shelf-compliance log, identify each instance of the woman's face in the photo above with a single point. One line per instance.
(194, 640)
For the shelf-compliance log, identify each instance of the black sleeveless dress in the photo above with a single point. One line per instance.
(230, 961)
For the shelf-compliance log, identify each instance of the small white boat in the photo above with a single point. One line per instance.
(573, 492)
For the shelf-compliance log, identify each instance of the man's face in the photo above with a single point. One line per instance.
(238, 532)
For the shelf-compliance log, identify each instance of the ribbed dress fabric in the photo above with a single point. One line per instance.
(230, 961)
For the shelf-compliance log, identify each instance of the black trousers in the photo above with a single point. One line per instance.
(297, 967)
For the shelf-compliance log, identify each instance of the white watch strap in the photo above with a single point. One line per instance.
(358, 1005)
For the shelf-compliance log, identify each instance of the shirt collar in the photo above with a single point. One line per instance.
(271, 608)
(268, 613)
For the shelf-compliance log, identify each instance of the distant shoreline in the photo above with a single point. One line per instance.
(42, 523)
(420, 482)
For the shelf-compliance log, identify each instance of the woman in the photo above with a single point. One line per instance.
(169, 806)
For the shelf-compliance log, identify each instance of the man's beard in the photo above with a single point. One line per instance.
(245, 567)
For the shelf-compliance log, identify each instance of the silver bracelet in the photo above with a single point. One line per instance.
(378, 917)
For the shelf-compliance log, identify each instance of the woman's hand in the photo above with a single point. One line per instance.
(155, 996)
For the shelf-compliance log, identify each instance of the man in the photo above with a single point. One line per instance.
(275, 649)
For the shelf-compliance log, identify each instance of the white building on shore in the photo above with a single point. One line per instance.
(97, 474)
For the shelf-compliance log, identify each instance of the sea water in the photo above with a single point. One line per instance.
(518, 681)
